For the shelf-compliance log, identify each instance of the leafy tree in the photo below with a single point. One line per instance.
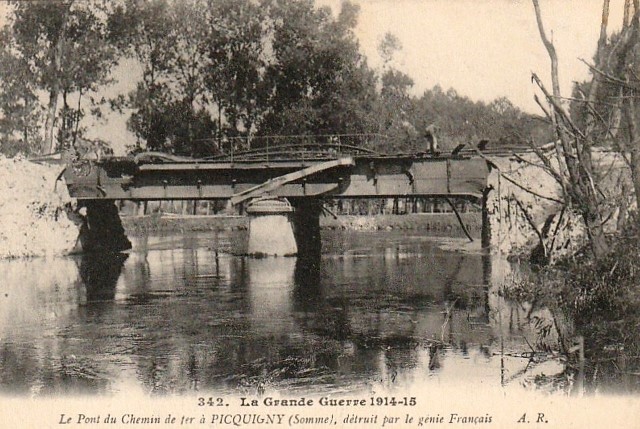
(239, 68)
(146, 33)
(201, 63)
(19, 107)
(234, 81)
(388, 47)
(397, 111)
(65, 47)
(318, 81)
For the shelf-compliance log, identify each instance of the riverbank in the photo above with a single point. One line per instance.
(434, 223)
(33, 210)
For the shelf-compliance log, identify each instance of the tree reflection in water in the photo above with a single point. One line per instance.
(182, 313)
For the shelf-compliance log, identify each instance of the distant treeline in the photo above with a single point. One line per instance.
(209, 76)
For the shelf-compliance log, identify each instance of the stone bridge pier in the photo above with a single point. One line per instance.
(276, 227)
(280, 228)
(102, 229)
(270, 227)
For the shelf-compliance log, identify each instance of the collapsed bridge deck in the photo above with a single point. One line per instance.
(358, 176)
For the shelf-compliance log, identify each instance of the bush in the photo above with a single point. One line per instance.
(603, 297)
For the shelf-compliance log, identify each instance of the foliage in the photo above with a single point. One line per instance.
(19, 107)
(601, 299)
(221, 74)
(461, 120)
(239, 69)
(603, 294)
(315, 81)
(59, 48)
(396, 112)
(388, 46)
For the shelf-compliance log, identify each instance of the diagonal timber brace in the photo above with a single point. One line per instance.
(276, 182)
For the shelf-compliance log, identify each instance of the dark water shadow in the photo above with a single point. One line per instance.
(100, 273)
(307, 291)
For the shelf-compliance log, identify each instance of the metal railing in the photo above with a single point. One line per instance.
(311, 147)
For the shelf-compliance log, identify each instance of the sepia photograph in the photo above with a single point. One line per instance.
(320, 213)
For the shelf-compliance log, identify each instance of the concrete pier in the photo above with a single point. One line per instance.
(270, 228)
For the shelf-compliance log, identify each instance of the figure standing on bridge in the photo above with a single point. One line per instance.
(432, 140)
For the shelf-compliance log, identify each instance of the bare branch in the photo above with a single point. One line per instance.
(632, 123)
(507, 178)
(627, 13)
(529, 191)
(583, 99)
(573, 148)
(562, 173)
(558, 108)
(610, 77)
(602, 40)
(557, 229)
(544, 109)
(546, 166)
(593, 90)
(531, 223)
(616, 116)
(550, 49)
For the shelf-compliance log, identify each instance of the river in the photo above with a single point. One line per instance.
(186, 312)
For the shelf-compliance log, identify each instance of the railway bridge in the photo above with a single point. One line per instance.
(277, 185)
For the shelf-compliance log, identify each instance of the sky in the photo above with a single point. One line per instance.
(484, 49)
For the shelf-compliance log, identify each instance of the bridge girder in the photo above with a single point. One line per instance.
(365, 177)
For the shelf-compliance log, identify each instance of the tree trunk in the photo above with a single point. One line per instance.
(77, 121)
(576, 144)
(635, 173)
(54, 92)
(597, 238)
(49, 145)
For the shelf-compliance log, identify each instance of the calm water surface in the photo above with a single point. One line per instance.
(185, 312)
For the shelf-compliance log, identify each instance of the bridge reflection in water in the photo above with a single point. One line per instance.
(175, 315)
